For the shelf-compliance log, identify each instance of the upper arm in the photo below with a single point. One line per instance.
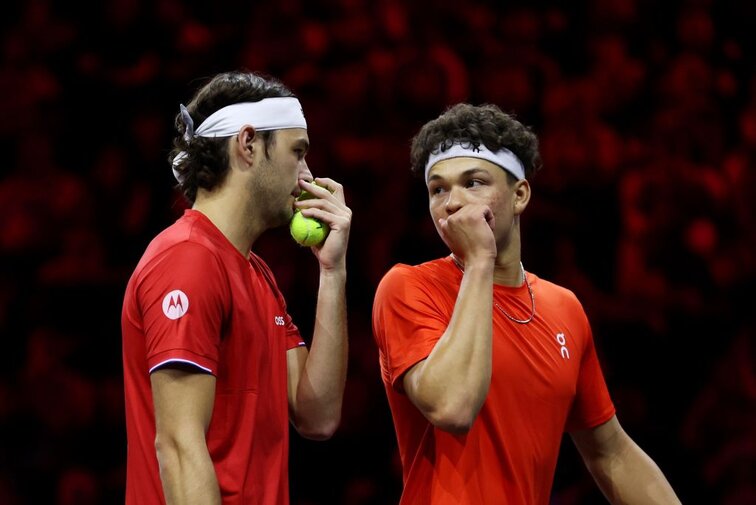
(409, 383)
(607, 439)
(183, 400)
(314, 396)
(408, 321)
(295, 363)
(184, 299)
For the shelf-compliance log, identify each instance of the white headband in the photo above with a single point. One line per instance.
(504, 158)
(275, 113)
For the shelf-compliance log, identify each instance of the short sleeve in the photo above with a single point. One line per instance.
(592, 405)
(183, 296)
(293, 337)
(407, 321)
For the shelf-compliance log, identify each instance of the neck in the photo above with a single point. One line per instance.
(508, 269)
(229, 210)
(509, 272)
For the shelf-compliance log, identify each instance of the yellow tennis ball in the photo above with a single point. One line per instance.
(307, 231)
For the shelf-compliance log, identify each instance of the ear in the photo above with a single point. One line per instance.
(520, 196)
(243, 144)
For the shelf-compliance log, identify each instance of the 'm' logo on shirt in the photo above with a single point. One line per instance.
(175, 304)
(279, 321)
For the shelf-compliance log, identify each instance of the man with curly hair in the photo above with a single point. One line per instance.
(214, 367)
(486, 365)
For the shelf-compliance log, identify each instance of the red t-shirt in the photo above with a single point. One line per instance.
(546, 380)
(194, 298)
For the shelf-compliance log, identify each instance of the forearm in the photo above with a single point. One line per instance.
(630, 476)
(321, 386)
(452, 383)
(187, 473)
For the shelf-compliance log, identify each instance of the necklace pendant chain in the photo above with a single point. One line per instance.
(461, 267)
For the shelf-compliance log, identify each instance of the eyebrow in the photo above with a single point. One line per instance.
(301, 144)
(466, 173)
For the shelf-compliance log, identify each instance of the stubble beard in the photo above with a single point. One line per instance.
(275, 209)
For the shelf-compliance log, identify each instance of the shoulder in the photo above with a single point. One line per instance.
(547, 290)
(397, 275)
(179, 252)
(555, 301)
(429, 288)
(183, 272)
(401, 276)
(187, 233)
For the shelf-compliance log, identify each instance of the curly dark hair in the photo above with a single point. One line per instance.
(469, 124)
(206, 163)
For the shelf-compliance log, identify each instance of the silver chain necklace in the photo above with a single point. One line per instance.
(461, 267)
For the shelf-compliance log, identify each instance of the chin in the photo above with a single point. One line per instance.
(285, 217)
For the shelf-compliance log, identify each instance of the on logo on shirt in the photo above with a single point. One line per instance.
(563, 342)
(175, 304)
(279, 321)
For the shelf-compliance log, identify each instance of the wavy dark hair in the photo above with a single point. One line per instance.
(207, 162)
(474, 125)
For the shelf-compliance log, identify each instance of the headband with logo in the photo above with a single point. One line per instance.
(504, 158)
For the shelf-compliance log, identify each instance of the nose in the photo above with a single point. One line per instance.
(304, 171)
(455, 200)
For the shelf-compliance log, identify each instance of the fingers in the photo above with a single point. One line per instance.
(489, 217)
(323, 187)
(335, 221)
(330, 184)
(471, 216)
(328, 203)
(469, 231)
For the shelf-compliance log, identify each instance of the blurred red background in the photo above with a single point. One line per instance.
(645, 208)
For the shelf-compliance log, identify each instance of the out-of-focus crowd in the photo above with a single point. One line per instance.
(646, 208)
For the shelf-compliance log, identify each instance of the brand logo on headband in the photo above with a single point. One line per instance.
(504, 158)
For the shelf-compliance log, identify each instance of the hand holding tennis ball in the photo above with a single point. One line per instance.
(307, 231)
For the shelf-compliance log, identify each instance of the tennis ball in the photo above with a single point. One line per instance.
(307, 231)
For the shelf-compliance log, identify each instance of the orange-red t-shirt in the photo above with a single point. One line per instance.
(546, 380)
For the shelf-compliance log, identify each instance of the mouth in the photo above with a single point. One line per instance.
(294, 196)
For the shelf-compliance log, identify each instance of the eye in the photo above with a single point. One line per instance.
(474, 183)
(435, 190)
